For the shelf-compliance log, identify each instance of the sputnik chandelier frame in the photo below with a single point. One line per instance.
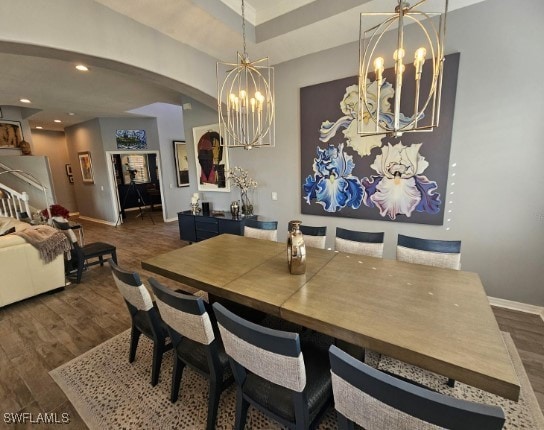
(245, 100)
(422, 113)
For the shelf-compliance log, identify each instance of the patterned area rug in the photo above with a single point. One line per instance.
(110, 393)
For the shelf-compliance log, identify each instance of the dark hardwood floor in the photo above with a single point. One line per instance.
(41, 333)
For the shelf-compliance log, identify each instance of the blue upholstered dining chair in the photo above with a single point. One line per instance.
(316, 237)
(289, 384)
(359, 242)
(375, 400)
(196, 343)
(267, 230)
(438, 253)
(145, 317)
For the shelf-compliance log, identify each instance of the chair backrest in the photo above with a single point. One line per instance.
(131, 288)
(359, 242)
(316, 237)
(64, 226)
(183, 313)
(438, 253)
(261, 229)
(377, 401)
(271, 354)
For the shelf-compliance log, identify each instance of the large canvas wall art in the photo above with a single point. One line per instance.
(400, 179)
(211, 159)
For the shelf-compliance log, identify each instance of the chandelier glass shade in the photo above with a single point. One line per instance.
(406, 96)
(245, 100)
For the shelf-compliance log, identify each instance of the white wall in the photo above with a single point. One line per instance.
(97, 136)
(170, 127)
(498, 209)
(52, 144)
(85, 30)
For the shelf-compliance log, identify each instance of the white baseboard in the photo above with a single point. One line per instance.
(517, 306)
(100, 221)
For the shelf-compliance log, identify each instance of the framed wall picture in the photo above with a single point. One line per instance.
(131, 139)
(86, 165)
(211, 159)
(11, 134)
(182, 163)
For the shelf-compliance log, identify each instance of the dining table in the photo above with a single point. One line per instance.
(437, 319)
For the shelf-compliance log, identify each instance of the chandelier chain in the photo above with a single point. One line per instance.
(244, 28)
(245, 99)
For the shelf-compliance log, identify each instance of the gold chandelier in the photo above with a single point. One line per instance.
(414, 89)
(245, 100)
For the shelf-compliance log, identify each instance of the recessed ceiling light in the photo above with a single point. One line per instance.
(39, 127)
(57, 120)
(82, 68)
(24, 101)
(71, 113)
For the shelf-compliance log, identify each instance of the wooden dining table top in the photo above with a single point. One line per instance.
(438, 319)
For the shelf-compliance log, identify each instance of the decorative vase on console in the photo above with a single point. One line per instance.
(247, 207)
(240, 178)
(235, 209)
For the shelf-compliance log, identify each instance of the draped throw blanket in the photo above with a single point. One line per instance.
(47, 240)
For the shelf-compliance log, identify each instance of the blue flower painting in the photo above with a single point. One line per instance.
(332, 185)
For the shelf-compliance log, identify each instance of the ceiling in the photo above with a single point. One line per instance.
(282, 30)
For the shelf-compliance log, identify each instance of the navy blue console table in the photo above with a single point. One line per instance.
(194, 228)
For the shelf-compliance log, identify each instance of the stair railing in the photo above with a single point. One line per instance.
(15, 203)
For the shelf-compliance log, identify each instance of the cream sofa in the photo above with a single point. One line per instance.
(23, 273)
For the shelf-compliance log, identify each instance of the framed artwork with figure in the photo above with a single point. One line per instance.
(211, 159)
(86, 165)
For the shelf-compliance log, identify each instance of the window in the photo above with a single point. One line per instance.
(135, 167)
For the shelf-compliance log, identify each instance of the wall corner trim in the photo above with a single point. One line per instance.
(517, 306)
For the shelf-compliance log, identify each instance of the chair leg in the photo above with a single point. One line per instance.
(114, 256)
(158, 350)
(343, 422)
(80, 266)
(213, 401)
(134, 338)
(176, 379)
(101, 259)
(241, 410)
(451, 382)
(302, 416)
